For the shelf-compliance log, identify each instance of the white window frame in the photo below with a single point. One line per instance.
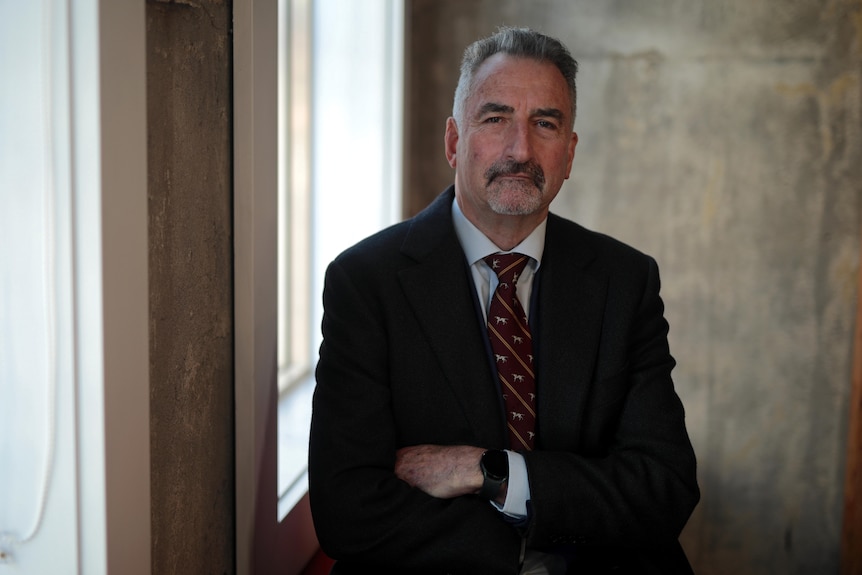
(263, 541)
(294, 193)
(112, 319)
(255, 50)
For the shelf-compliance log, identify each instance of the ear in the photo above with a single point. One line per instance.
(451, 142)
(573, 143)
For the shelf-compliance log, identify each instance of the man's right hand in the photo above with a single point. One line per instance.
(441, 471)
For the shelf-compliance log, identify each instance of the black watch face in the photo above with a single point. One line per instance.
(496, 464)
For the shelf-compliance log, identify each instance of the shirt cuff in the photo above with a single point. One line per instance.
(518, 491)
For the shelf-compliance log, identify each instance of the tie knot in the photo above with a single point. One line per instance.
(508, 267)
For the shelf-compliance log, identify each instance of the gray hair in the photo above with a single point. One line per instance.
(520, 42)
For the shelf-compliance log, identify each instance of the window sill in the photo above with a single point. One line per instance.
(294, 422)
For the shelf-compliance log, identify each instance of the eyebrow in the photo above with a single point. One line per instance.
(496, 108)
(548, 113)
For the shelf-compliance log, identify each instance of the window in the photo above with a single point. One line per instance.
(294, 192)
(74, 393)
(294, 248)
(340, 102)
(35, 290)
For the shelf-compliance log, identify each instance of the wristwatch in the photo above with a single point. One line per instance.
(495, 471)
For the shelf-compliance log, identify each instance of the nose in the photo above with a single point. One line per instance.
(520, 145)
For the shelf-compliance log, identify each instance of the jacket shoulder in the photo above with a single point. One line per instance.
(592, 247)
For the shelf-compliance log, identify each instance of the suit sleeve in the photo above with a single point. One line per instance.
(362, 512)
(633, 482)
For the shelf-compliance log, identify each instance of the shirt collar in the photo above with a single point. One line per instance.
(477, 245)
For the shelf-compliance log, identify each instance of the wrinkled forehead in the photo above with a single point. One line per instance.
(518, 81)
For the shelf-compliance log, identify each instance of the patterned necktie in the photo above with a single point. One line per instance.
(513, 350)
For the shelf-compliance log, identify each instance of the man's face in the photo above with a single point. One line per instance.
(516, 145)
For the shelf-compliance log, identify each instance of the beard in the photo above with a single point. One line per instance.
(515, 196)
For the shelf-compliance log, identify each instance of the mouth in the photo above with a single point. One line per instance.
(529, 171)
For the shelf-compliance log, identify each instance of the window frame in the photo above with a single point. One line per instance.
(271, 530)
(255, 281)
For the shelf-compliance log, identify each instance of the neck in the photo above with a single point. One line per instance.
(506, 238)
(504, 230)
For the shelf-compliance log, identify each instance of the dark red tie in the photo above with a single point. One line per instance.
(513, 350)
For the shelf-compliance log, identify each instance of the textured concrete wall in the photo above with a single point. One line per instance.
(722, 137)
(191, 294)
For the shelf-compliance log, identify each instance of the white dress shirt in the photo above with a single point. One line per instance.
(477, 246)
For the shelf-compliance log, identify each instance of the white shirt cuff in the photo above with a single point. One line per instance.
(518, 492)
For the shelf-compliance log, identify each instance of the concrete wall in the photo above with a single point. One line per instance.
(191, 286)
(722, 137)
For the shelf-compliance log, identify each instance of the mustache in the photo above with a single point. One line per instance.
(511, 168)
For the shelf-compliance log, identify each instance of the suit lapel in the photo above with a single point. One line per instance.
(571, 299)
(571, 307)
(439, 289)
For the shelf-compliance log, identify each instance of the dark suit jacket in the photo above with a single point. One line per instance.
(404, 361)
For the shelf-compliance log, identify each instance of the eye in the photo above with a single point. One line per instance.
(546, 124)
(493, 120)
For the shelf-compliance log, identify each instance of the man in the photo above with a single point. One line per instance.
(434, 449)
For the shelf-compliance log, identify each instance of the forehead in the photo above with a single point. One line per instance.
(514, 81)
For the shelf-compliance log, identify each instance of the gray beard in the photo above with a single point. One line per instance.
(522, 202)
(518, 198)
